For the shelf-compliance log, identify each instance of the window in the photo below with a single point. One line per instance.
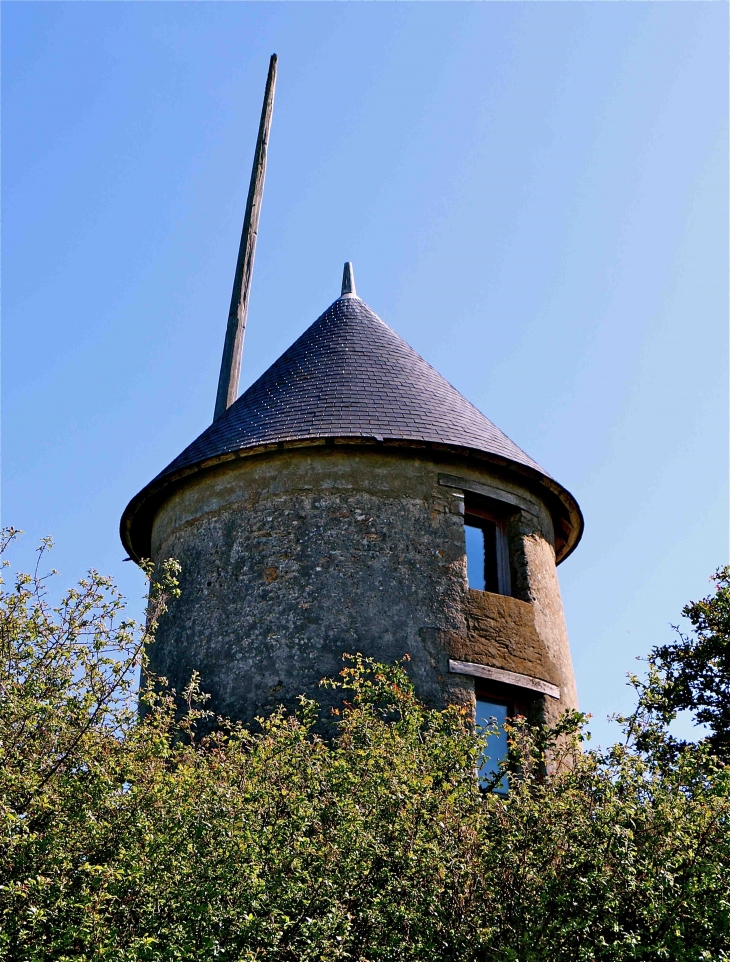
(494, 706)
(475, 556)
(487, 550)
(488, 712)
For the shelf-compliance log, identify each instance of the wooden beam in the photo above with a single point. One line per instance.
(505, 677)
(236, 328)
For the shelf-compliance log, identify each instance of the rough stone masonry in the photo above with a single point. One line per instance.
(291, 558)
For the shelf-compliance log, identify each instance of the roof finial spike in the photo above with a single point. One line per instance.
(348, 281)
(233, 345)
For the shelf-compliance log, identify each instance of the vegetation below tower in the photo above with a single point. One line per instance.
(128, 838)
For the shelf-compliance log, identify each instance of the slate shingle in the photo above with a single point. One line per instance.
(349, 375)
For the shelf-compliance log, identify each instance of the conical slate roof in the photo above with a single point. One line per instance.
(350, 375)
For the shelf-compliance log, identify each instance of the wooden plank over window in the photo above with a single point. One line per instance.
(487, 491)
(504, 677)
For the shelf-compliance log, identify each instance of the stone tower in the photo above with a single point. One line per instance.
(351, 500)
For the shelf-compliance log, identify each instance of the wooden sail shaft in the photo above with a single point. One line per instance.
(236, 328)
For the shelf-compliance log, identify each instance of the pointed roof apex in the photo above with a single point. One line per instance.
(348, 281)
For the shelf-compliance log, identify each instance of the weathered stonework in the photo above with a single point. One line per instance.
(291, 558)
(501, 632)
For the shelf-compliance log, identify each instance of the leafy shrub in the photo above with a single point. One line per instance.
(128, 837)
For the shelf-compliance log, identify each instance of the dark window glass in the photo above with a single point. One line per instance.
(491, 576)
(488, 712)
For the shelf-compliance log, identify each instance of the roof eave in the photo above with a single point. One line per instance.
(135, 527)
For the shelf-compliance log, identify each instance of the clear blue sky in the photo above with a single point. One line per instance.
(535, 196)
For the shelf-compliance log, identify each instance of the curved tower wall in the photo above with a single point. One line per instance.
(289, 559)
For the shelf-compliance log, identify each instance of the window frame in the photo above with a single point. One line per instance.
(517, 702)
(477, 516)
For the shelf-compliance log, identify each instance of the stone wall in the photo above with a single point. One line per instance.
(290, 559)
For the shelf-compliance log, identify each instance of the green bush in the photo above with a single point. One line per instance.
(128, 837)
